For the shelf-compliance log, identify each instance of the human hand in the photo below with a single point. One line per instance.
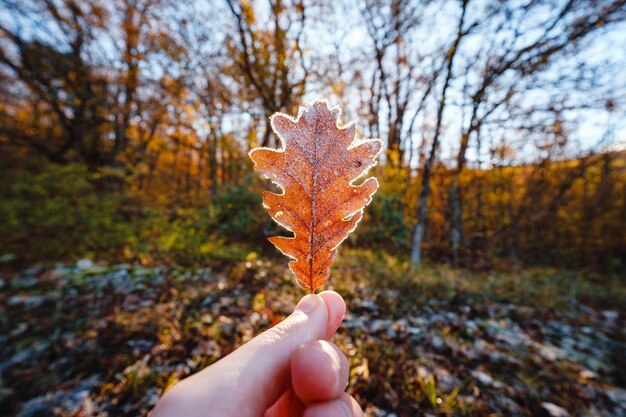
(291, 370)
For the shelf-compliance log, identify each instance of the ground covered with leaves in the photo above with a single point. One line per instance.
(91, 339)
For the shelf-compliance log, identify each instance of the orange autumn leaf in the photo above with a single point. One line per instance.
(316, 167)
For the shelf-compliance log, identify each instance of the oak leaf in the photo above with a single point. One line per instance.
(315, 167)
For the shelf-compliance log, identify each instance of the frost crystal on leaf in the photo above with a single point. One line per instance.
(315, 167)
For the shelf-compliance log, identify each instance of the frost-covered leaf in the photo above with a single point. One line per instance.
(315, 167)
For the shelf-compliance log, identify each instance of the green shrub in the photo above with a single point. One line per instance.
(383, 223)
(67, 212)
(192, 236)
(58, 213)
(238, 214)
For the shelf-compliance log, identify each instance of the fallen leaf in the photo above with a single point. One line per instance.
(316, 167)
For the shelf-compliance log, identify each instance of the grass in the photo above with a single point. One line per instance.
(536, 286)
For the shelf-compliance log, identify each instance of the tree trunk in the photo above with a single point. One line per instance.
(420, 226)
(213, 163)
(418, 235)
(456, 230)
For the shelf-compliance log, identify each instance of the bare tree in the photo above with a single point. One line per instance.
(61, 97)
(401, 81)
(269, 66)
(420, 226)
(502, 67)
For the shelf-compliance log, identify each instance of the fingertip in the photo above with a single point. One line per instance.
(309, 303)
(336, 307)
(319, 372)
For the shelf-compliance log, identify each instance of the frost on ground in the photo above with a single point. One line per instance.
(97, 340)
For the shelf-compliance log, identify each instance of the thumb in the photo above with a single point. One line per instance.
(264, 362)
(249, 380)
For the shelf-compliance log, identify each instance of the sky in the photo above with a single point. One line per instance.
(588, 126)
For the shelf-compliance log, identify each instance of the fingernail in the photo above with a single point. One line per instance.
(308, 303)
(335, 363)
(334, 358)
(343, 408)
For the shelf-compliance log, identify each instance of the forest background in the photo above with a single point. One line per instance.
(125, 127)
